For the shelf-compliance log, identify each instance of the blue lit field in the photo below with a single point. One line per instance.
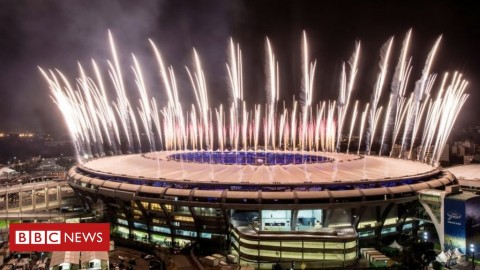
(248, 158)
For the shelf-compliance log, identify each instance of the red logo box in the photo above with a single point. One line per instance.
(60, 237)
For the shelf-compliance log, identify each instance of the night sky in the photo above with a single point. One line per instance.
(61, 33)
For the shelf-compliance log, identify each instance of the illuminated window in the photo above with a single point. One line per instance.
(144, 204)
(158, 221)
(160, 229)
(183, 218)
(186, 233)
(168, 207)
(122, 221)
(155, 206)
(182, 209)
(206, 235)
(139, 225)
(137, 214)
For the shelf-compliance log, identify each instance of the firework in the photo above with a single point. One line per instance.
(101, 125)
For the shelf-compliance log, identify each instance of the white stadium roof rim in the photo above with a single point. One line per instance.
(343, 169)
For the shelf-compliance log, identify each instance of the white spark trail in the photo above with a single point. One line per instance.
(375, 112)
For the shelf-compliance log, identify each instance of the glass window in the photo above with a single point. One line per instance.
(183, 218)
(186, 233)
(168, 207)
(155, 206)
(161, 229)
(207, 235)
(266, 253)
(122, 221)
(313, 244)
(140, 226)
(160, 239)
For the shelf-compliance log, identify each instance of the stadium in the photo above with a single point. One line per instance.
(316, 212)
(264, 183)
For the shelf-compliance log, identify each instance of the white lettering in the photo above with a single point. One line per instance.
(81, 237)
(37, 237)
(89, 236)
(22, 237)
(53, 237)
(68, 237)
(99, 237)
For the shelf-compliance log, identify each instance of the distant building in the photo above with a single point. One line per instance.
(21, 135)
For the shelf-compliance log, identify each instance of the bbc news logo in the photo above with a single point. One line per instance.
(60, 237)
(38, 237)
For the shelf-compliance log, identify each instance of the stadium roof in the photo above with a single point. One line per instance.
(343, 168)
(467, 172)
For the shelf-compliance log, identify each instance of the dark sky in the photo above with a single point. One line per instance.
(59, 33)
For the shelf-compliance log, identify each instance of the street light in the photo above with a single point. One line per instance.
(472, 250)
(425, 236)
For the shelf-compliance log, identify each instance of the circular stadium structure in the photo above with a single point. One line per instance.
(278, 189)
(316, 212)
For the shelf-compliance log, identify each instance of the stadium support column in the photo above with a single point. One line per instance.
(259, 209)
(381, 221)
(437, 220)
(193, 214)
(146, 218)
(327, 217)
(196, 222)
(88, 204)
(168, 219)
(293, 219)
(226, 216)
(128, 216)
(404, 214)
(357, 216)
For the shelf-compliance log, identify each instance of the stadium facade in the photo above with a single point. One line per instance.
(317, 211)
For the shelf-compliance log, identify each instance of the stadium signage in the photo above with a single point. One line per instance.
(60, 237)
(453, 215)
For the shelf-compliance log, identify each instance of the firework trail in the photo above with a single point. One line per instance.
(308, 75)
(201, 94)
(451, 103)
(345, 92)
(362, 125)
(100, 125)
(397, 94)
(145, 110)
(420, 91)
(122, 105)
(352, 124)
(235, 76)
(105, 112)
(375, 112)
(272, 88)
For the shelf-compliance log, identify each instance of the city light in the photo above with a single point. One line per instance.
(425, 236)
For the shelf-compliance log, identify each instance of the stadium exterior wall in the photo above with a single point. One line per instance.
(178, 213)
